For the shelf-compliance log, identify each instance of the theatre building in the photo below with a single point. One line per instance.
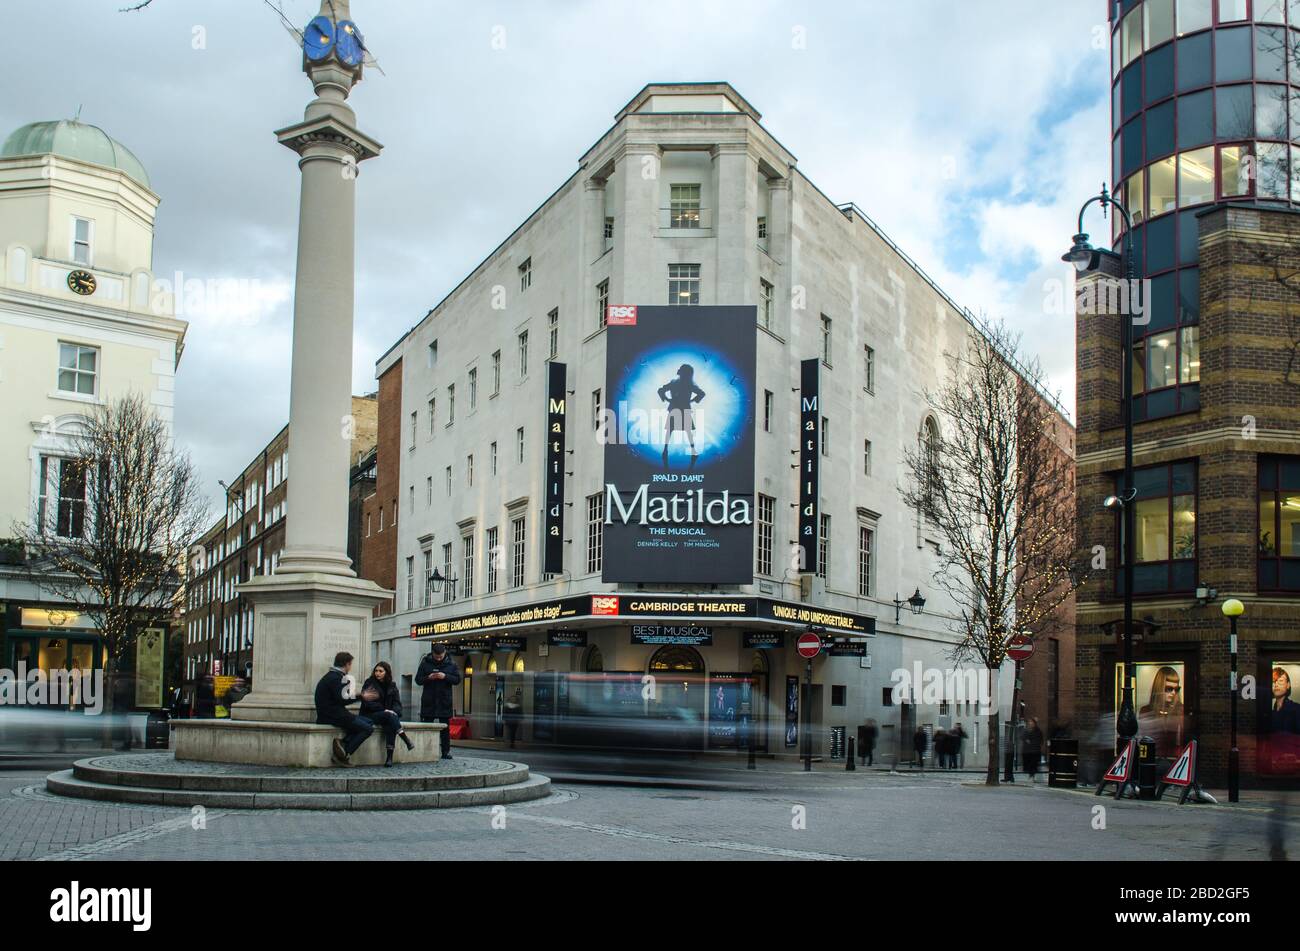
(657, 436)
(1205, 113)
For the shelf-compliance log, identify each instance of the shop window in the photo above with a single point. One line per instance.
(1164, 538)
(1195, 177)
(1279, 523)
(1233, 112)
(1194, 15)
(1195, 120)
(1232, 55)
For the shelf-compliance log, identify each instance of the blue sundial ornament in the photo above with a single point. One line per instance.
(349, 43)
(318, 39)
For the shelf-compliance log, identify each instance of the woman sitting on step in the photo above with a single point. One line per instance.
(386, 710)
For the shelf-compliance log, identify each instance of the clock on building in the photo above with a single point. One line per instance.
(318, 38)
(81, 282)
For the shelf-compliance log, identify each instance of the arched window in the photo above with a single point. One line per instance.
(594, 662)
(930, 459)
(676, 658)
(517, 663)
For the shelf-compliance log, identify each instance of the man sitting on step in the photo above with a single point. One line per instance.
(332, 709)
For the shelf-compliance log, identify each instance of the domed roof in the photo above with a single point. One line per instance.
(75, 140)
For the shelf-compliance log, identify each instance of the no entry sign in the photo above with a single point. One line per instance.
(809, 645)
(1020, 649)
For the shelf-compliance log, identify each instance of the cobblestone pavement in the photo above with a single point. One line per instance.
(864, 815)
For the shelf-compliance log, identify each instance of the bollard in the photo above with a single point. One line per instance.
(849, 762)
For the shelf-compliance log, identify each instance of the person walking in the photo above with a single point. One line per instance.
(514, 714)
(437, 674)
(867, 743)
(205, 698)
(386, 710)
(958, 737)
(1031, 748)
(332, 709)
(918, 746)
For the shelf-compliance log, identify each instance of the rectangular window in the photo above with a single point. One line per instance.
(519, 444)
(414, 424)
(762, 228)
(451, 404)
(469, 471)
(1135, 198)
(473, 388)
(869, 368)
(766, 525)
(1164, 539)
(431, 357)
(448, 478)
(866, 538)
(826, 436)
(63, 482)
(683, 285)
(824, 547)
(595, 410)
(518, 539)
(492, 458)
(602, 303)
(767, 410)
(866, 457)
(410, 499)
(424, 582)
(826, 340)
(1231, 11)
(1132, 42)
(523, 354)
(1162, 195)
(448, 589)
(609, 233)
(1279, 523)
(553, 325)
(496, 372)
(526, 275)
(428, 491)
(1195, 177)
(684, 206)
(1194, 15)
(433, 414)
(595, 532)
(81, 232)
(1270, 11)
(410, 583)
(1235, 170)
(493, 558)
(467, 565)
(78, 369)
(766, 295)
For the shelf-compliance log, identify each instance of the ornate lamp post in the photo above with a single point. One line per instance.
(1085, 257)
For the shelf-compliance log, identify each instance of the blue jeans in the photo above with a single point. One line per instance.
(356, 733)
(390, 723)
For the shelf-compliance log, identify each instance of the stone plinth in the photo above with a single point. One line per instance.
(270, 743)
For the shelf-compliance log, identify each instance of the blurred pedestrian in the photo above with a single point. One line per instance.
(958, 737)
(867, 742)
(514, 714)
(1031, 748)
(919, 742)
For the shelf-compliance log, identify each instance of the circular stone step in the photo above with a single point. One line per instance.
(160, 779)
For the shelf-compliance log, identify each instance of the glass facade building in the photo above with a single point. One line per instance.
(1205, 109)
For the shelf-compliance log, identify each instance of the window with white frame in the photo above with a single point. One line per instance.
(473, 388)
(595, 532)
(769, 399)
(414, 422)
(766, 526)
(824, 547)
(826, 436)
(451, 404)
(492, 458)
(448, 590)
(519, 444)
(826, 340)
(866, 457)
(428, 570)
(525, 275)
(518, 541)
(684, 206)
(523, 353)
(428, 491)
(431, 356)
(766, 303)
(469, 471)
(78, 369)
(61, 499)
(762, 227)
(683, 285)
(595, 410)
(493, 558)
(82, 240)
(467, 565)
(410, 582)
(866, 541)
(553, 331)
(433, 414)
(869, 369)
(602, 303)
(496, 372)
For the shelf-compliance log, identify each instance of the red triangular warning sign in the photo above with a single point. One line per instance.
(1122, 769)
(1184, 768)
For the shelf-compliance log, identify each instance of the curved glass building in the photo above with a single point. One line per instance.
(1205, 109)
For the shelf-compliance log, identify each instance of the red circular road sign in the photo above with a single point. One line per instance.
(1020, 649)
(809, 645)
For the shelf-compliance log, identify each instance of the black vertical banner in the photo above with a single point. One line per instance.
(556, 417)
(809, 463)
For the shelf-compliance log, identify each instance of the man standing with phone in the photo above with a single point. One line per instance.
(437, 674)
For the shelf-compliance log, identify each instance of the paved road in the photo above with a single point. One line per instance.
(861, 815)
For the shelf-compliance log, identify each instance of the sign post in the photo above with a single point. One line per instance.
(809, 646)
(1020, 648)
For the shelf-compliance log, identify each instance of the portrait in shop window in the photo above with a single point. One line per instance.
(1279, 743)
(1159, 698)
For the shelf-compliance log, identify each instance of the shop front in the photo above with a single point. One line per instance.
(50, 640)
(661, 672)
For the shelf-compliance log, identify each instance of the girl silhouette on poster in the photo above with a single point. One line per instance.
(681, 394)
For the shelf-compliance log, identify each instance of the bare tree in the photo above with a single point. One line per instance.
(112, 538)
(995, 488)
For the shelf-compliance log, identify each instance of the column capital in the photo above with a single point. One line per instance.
(729, 148)
(329, 131)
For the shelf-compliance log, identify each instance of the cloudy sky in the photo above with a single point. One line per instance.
(970, 130)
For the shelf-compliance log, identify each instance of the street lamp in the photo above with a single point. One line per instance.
(1233, 609)
(437, 580)
(1085, 258)
(915, 602)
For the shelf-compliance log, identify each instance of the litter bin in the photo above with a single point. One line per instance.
(1063, 763)
(1146, 768)
(157, 730)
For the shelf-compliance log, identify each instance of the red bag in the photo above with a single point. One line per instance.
(459, 728)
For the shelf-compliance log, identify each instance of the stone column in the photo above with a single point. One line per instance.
(315, 606)
(735, 223)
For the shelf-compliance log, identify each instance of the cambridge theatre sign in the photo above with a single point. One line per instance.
(647, 607)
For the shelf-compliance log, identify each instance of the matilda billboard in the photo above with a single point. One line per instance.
(678, 428)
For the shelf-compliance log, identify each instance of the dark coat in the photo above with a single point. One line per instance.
(918, 741)
(1286, 720)
(435, 701)
(1032, 744)
(331, 708)
(866, 737)
(390, 697)
(205, 700)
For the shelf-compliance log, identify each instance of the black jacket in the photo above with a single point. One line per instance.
(390, 697)
(331, 708)
(435, 701)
